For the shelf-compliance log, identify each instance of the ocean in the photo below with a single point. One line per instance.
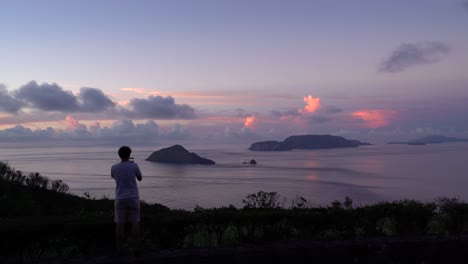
(367, 174)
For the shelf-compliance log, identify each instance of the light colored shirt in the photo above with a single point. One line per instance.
(125, 174)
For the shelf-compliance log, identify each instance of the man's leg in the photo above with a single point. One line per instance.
(135, 222)
(119, 212)
(119, 235)
(135, 227)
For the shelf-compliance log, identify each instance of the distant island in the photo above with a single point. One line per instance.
(178, 155)
(307, 142)
(433, 139)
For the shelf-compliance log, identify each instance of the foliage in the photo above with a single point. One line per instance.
(33, 180)
(38, 218)
(453, 214)
(262, 199)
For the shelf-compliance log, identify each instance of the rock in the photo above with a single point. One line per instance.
(177, 155)
(306, 142)
(251, 162)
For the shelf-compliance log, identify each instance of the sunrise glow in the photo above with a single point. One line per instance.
(374, 118)
(310, 77)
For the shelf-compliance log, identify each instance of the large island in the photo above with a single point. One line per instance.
(306, 142)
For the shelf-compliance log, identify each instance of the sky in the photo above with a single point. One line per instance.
(232, 71)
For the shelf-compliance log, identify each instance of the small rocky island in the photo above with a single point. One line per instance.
(178, 155)
(307, 142)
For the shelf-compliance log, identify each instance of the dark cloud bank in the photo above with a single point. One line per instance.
(47, 102)
(158, 107)
(413, 54)
(53, 98)
(8, 104)
(47, 97)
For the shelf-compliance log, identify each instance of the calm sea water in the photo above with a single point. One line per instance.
(366, 174)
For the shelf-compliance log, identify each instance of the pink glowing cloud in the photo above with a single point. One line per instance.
(375, 118)
(135, 90)
(312, 104)
(123, 102)
(249, 121)
(73, 124)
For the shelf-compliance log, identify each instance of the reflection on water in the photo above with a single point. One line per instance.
(312, 177)
(366, 174)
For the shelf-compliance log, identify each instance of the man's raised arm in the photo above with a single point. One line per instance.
(138, 175)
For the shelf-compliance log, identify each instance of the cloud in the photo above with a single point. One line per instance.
(50, 102)
(312, 104)
(287, 113)
(413, 54)
(52, 97)
(48, 97)
(333, 109)
(318, 119)
(177, 132)
(72, 123)
(242, 134)
(75, 127)
(148, 130)
(95, 127)
(135, 90)
(16, 131)
(158, 107)
(248, 121)
(21, 133)
(126, 128)
(303, 116)
(374, 118)
(7, 102)
(94, 100)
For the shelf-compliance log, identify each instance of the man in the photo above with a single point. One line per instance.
(127, 200)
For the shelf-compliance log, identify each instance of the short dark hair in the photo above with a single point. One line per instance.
(124, 152)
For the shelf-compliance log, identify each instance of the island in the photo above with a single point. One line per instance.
(432, 139)
(307, 142)
(178, 155)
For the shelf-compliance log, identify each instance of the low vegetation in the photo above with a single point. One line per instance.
(39, 218)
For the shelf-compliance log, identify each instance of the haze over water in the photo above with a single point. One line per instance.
(367, 174)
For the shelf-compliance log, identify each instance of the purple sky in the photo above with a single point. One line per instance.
(230, 71)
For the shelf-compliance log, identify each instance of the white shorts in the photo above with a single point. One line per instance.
(127, 210)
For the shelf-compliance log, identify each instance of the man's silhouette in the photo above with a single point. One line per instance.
(127, 200)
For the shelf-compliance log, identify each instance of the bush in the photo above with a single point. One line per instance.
(262, 199)
(39, 218)
(453, 214)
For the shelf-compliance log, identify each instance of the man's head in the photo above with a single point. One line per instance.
(124, 152)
